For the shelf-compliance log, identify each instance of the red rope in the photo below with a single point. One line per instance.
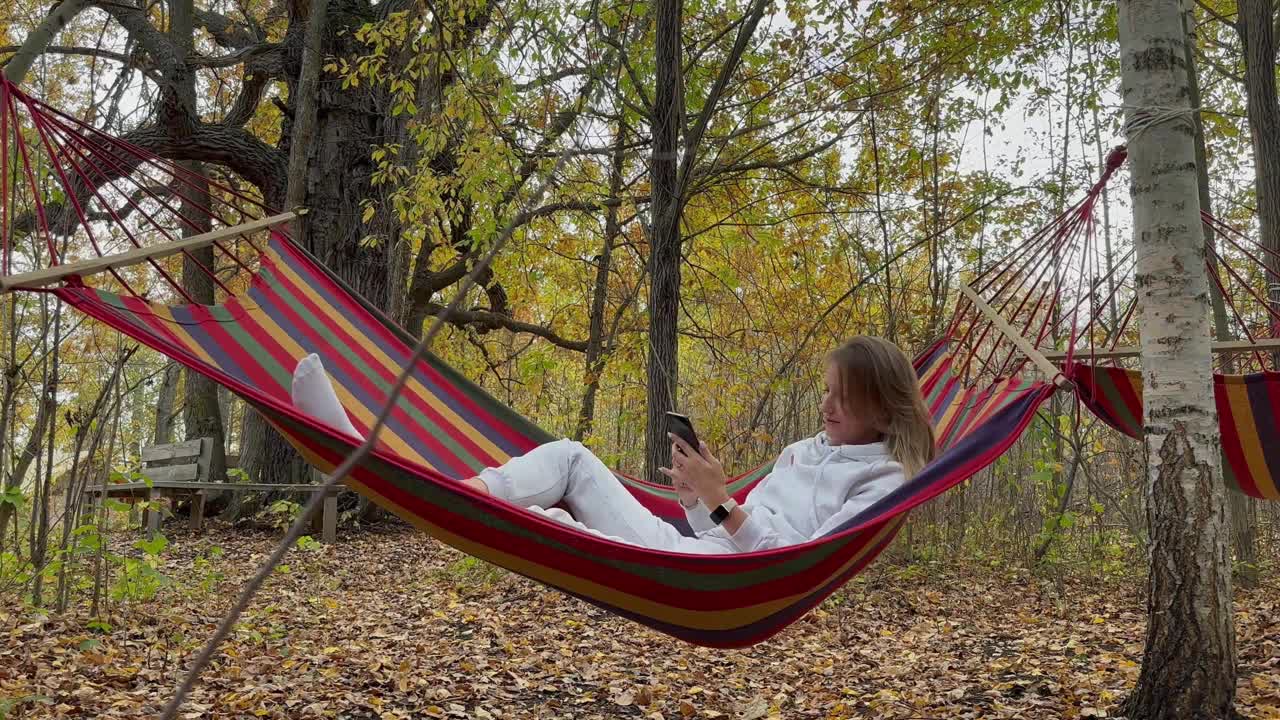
(54, 153)
(1102, 306)
(1080, 294)
(110, 168)
(174, 171)
(1041, 262)
(107, 181)
(1244, 327)
(1063, 243)
(5, 240)
(149, 157)
(1275, 315)
(42, 224)
(1226, 229)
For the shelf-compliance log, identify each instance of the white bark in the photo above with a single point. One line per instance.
(1189, 663)
(18, 65)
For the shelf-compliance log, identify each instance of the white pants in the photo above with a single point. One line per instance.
(566, 470)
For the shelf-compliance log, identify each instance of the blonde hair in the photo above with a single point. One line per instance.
(876, 377)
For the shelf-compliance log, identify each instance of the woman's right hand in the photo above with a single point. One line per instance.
(688, 496)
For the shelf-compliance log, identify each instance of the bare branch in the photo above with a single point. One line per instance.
(754, 14)
(243, 55)
(552, 78)
(226, 32)
(41, 37)
(121, 58)
(1215, 14)
(490, 320)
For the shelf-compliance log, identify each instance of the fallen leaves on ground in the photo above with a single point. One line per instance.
(388, 624)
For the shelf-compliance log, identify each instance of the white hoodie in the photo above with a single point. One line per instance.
(814, 487)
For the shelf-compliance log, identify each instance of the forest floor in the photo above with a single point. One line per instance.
(390, 624)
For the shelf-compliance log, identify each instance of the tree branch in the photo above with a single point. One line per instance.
(243, 55)
(813, 328)
(227, 32)
(41, 38)
(551, 79)
(135, 21)
(121, 58)
(1222, 69)
(493, 321)
(233, 147)
(692, 140)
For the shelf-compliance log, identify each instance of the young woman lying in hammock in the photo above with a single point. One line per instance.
(876, 434)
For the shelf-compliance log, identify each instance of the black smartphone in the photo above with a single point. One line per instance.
(681, 426)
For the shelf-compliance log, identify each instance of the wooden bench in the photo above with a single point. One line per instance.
(181, 470)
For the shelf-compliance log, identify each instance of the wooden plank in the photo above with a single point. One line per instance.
(172, 451)
(171, 473)
(1050, 370)
(53, 275)
(197, 511)
(152, 514)
(206, 457)
(132, 487)
(330, 531)
(1223, 347)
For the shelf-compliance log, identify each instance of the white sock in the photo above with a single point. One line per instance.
(313, 394)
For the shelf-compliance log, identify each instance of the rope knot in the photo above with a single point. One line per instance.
(1116, 158)
(1144, 118)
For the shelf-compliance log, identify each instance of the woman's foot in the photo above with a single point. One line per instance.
(313, 394)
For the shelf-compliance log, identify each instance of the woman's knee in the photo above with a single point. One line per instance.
(565, 448)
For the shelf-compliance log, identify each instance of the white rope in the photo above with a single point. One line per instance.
(1146, 117)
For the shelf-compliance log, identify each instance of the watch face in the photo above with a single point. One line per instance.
(719, 514)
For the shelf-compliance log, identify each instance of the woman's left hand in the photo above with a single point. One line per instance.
(701, 471)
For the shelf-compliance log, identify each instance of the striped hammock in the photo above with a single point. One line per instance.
(445, 427)
(1247, 409)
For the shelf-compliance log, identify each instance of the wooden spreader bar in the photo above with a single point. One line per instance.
(1226, 346)
(1050, 370)
(54, 275)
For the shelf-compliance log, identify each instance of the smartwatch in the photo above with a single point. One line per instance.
(721, 513)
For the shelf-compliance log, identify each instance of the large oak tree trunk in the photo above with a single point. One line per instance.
(167, 398)
(201, 415)
(349, 122)
(1188, 667)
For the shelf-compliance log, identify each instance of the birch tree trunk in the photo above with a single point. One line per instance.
(1188, 667)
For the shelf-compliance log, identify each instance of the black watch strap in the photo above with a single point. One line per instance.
(722, 512)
